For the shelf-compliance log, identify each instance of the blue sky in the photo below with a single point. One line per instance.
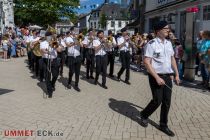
(89, 4)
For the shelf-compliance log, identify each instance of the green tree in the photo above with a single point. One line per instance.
(44, 12)
(103, 21)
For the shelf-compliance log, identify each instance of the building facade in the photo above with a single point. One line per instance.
(174, 11)
(6, 13)
(83, 22)
(115, 17)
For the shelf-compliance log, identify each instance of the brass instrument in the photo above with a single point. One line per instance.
(80, 38)
(133, 38)
(110, 39)
(36, 50)
(54, 44)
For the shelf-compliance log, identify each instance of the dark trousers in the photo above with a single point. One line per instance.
(37, 67)
(125, 60)
(74, 67)
(83, 52)
(54, 71)
(101, 66)
(111, 58)
(61, 55)
(90, 58)
(41, 69)
(161, 95)
(29, 59)
(32, 61)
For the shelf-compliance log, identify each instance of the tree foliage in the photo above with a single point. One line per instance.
(43, 12)
(103, 21)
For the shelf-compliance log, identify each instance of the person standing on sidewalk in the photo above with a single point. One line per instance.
(161, 65)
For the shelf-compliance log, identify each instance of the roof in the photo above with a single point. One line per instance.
(111, 10)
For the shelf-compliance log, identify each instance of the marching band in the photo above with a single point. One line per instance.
(48, 53)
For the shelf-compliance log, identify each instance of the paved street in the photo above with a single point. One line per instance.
(95, 113)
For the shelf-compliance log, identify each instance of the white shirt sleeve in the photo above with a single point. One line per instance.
(85, 41)
(120, 40)
(42, 45)
(69, 40)
(114, 41)
(96, 43)
(148, 50)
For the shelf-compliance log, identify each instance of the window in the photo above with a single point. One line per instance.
(95, 25)
(91, 24)
(206, 12)
(112, 23)
(119, 24)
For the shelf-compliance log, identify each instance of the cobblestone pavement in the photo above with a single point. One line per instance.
(94, 113)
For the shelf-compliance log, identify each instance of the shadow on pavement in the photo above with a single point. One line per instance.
(83, 74)
(129, 110)
(4, 91)
(42, 85)
(194, 85)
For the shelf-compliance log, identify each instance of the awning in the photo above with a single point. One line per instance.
(135, 24)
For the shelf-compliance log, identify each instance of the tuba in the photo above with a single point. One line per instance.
(36, 49)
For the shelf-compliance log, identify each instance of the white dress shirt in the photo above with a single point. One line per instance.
(101, 51)
(44, 45)
(161, 54)
(73, 50)
(120, 41)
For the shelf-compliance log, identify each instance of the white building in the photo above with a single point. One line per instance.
(6, 13)
(83, 22)
(174, 11)
(115, 15)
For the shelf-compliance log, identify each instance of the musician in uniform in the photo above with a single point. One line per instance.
(61, 55)
(123, 44)
(90, 54)
(51, 65)
(161, 65)
(74, 58)
(100, 45)
(110, 52)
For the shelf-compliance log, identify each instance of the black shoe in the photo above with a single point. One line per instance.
(118, 78)
(104, 86)
(87, 77)
(143, 122)
(49, 94)
(41, 80)
(167, 131)
(69, 86)
(127, 82)
(91, 77)
(61, 74)
(77, 88)
(95, 82)
(111, 75)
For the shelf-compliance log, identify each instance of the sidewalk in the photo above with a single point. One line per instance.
(95, 113)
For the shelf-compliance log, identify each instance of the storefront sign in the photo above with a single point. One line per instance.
(192, 10)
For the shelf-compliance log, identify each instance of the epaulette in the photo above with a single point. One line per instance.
(152, 41)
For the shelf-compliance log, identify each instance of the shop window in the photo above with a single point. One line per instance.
(206, 12)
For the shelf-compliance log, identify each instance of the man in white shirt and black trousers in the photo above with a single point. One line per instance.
(100, 45)
(74, 58)
(110, 53)
(123, 44)
(50, 61)
(161, 66)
